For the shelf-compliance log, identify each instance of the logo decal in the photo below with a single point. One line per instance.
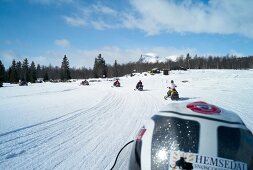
(204, 108)
(181, 160)
(188, 161)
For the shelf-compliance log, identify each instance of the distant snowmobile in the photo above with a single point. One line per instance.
(84, 83)
(116, 83)
(139, 86)
(190, 136)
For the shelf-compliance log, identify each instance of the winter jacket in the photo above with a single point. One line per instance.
(139, 84)
(173, 86)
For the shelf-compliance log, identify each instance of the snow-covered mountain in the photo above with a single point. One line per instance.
(154, 58)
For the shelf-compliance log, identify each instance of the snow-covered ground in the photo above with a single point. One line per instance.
(67, 126)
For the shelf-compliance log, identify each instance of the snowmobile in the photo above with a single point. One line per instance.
(84, 83)
(116, 84)
(191, 135)
(173, 94)
(140, 87)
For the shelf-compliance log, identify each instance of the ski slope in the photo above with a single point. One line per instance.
(68, 126)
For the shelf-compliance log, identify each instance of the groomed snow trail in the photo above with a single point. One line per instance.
(83, 127)
(82, 139)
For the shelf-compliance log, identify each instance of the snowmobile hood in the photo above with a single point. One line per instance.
(201, 110)
(193, 135)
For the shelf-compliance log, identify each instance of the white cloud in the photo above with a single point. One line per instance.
(8, 55)
(47, 58)
(222, 17)
(234, 52)
(102, 25)
(104, 10)
(159, 16)
(74, 21)
(62, 43)
(110, 53)
(98, 16)
(47, 2)
(54, 58)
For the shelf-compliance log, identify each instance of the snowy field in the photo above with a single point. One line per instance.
(67, 126)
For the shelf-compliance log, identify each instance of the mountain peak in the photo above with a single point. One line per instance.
(153, 58)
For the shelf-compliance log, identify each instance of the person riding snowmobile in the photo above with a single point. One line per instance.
(172, 91)
(116, 83)
(139, 85)
(172, 85)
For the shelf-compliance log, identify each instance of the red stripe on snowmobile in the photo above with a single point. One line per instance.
(140, 134)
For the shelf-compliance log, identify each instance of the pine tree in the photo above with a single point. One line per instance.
(99, 69)
(65, 73)
(33, 74)
(188, 58)
(25, 70)
(95, 69)
(19, 70)
(2, 73)
(115, 71)
(13, 77)
(39, 71)
(46, 78)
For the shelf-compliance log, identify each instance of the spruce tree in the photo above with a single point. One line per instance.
(95, 69)
(2, 73)
(19, 69)
(45, 77)
(33, 74)
(115, 71)
(39, 71)
(25, 70)
(188, 58)
(65, 73)
(99, 69)
(13, 77)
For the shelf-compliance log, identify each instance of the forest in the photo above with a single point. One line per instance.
(24, 71)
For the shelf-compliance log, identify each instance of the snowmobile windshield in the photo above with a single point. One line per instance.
(235, 144)
(171, 133)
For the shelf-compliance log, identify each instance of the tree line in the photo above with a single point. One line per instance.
(23, 71)
(187, 62)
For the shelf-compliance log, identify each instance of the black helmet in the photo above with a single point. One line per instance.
(172, 81)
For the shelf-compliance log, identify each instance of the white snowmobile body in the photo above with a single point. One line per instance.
(193, 136)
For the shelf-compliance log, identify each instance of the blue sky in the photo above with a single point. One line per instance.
(44, 30)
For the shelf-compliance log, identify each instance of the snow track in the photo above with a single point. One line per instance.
(74, 140)
(84, 127)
